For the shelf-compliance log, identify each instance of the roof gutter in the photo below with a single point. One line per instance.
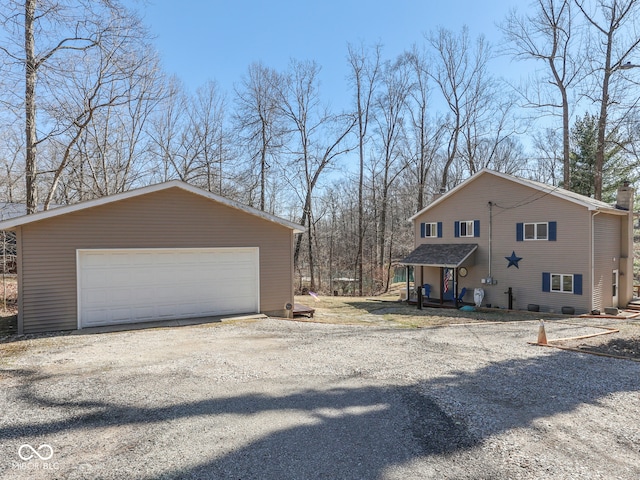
(611, 211)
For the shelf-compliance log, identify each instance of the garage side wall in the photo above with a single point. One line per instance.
(171, 218)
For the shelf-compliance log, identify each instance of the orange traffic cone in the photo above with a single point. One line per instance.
(542, 336)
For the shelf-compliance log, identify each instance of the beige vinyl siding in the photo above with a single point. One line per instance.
(514, 203)
(171, 218)
(607, 247)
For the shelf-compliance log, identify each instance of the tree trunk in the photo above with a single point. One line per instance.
(30, 107)
(602, 120)
(383, 221)
(360, 198)
(566, 146)
(263, 169)
(312, 284)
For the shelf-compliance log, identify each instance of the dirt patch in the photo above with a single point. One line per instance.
(624, 344)
(624, 347)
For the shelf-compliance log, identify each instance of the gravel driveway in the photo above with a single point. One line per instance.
(277, 399)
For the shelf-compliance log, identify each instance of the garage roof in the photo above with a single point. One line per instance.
(36, 217)
(450, 255)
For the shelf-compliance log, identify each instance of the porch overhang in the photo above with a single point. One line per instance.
(449, 255)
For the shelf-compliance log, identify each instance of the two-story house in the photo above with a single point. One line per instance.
(526, 245)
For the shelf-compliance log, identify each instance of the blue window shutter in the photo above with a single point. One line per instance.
(439, 229)
(476, 228)
(577, 284)
(546, 282)
(519, 232)
(553, 228)
(456, 229)
(422, 230)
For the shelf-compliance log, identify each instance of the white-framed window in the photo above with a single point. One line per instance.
(431, 229)
(536, 231)
(562, 282)
(466, 228)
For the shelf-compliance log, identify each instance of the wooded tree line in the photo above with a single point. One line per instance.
(86, 111)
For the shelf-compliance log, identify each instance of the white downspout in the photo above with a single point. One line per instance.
(490, 233)
(593, 256)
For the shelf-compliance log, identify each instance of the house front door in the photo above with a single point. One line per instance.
(614, 284)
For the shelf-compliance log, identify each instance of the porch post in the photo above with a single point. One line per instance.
(419, 288)
(455, 282)
(407, 269)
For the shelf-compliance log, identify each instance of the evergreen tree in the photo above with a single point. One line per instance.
(617, 166)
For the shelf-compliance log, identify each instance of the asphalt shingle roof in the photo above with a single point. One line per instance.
(440, 255)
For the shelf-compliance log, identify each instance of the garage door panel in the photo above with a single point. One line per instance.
(94, 299)
(126, 286)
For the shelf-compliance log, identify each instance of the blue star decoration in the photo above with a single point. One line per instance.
(513, 260)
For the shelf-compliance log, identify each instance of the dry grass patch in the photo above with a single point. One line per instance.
(13, 349)
(387, 311)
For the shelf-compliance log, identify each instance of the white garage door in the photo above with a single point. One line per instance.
(137, 285)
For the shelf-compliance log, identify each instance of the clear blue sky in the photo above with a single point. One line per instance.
(202, 40)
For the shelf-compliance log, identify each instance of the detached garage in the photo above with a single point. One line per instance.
(167, 251)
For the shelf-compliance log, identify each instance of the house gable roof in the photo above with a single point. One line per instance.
(544, 189)
(59, 211)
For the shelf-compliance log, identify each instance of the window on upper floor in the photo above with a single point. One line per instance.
(431, 230)
(467, 228)
(536, 231)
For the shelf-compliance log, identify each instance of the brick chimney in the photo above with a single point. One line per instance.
(624, 198)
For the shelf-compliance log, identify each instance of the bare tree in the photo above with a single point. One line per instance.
(208, 123)
(425, 134)
(11, 168)
(167, 133)
(490, 129)
(365, 69)
(460, 70)
(113, 150)
(109, 82)
(258, 121)
(550, 153)
(391, 107)
(62, 44)
(615, 39)
(548, 36)
(319, 140)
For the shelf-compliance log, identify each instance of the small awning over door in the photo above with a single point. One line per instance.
(451, 255)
